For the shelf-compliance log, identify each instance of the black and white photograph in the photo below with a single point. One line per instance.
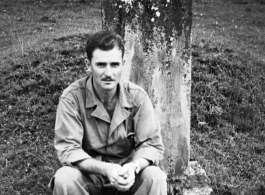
(132, 97)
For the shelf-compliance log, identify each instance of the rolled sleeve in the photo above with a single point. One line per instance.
(69, 133)
(148, 134)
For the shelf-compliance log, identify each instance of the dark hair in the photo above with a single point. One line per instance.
(104, 40)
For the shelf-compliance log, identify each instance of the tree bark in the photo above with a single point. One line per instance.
(158, 41)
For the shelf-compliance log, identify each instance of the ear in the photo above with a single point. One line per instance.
(88, 67)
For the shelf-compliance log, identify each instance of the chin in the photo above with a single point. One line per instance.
(108, 87)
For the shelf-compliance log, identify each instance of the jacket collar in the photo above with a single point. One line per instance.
(124, 102)
(125, 99)
(91, 98)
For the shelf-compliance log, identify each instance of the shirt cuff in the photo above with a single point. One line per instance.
(73, 157)
(150, 153)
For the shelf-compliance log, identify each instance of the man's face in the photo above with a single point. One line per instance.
(106, 67)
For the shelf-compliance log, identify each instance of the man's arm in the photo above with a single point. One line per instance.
(95, 166)
(149, 146)
(142, 162)
(69, 132)
(103, 168)
(110, 170)
(128, 170)
(148, 137)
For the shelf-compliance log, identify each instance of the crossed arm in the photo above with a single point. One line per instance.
(122, 177)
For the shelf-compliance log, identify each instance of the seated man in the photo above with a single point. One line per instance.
(107, 135)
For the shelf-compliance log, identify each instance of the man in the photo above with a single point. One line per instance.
(107, 135)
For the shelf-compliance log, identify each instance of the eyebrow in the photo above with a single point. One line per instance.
(115, 63)
(104, 63)
(101, 63)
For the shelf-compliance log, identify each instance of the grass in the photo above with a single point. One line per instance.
(228, 90)
(35, 68)
(42, 52)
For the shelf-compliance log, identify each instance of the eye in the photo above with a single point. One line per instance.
(101, 64)
(115, 64)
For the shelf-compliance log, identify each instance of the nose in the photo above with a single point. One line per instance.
(108, 71)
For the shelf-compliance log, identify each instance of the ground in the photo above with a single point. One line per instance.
(42, 52)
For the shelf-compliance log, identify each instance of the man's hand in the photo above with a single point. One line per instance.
(128, 173)
(112, 172)
(121, 177)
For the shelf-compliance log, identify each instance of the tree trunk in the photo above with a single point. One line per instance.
(157, 57)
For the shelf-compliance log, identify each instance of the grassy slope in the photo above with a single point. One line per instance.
(228, 90)
(42, 51)
(41, 55)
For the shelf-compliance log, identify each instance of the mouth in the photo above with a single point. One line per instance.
(107, 80)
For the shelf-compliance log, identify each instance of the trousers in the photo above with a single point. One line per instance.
(71, 181)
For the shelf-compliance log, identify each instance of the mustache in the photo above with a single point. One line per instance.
(108, 79)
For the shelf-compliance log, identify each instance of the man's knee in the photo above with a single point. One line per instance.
(67, 176)
(154, 174)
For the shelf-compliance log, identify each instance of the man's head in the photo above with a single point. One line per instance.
(104, 40)
(105, 52)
